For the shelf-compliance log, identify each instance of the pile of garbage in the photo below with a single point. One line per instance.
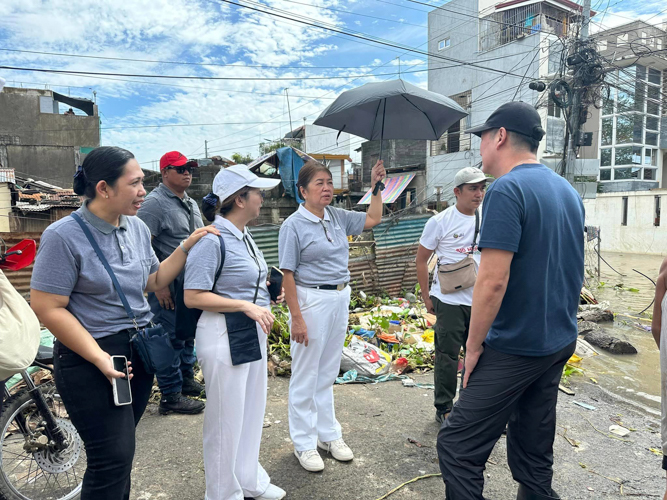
(386, 336)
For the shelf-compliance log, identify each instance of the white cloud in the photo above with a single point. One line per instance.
(189, 30)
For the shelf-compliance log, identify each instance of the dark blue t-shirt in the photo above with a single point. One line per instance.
(539, 216)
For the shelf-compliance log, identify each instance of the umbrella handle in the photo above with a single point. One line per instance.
(379, 186)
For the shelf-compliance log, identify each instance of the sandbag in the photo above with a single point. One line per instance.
(365, 358)
(20, 332)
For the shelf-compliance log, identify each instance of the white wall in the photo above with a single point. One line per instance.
(640, 235)
(322, 140)
(441, 169)
(5, 207)
(339, 173)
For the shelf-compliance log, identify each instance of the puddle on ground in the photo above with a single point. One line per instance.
(635, 378)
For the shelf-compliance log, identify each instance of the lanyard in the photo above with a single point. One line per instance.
(326, 231)
(251, 251)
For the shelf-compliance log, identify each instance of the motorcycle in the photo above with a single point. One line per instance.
(42, 456)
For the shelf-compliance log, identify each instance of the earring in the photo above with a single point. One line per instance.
(106, 196)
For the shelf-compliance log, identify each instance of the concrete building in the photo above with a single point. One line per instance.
(37, 140)
(629, 222)
(401, 158)
(630, 130)
(630, 141)
(509, 45)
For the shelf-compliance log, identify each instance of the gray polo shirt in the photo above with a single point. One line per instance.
(66, 264)
(238, 279)
(168, 218)
(305, 249)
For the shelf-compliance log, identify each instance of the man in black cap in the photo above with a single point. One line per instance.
(523, 326)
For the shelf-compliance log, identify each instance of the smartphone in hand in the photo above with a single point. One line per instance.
(122, 395)
(275, 283)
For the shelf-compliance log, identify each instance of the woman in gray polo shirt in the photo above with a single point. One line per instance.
(233, 359)
(73, 295)
(314, 249)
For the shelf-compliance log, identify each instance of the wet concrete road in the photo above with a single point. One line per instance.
(378, 420)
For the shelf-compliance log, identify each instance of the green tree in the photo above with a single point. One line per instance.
(239, 158)
(267, 147)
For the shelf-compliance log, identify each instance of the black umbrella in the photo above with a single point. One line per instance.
(394, 109)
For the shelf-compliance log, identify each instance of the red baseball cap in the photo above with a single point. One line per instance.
(172, 159)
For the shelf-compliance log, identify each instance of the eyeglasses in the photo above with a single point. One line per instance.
(326, 231)
(181, 170)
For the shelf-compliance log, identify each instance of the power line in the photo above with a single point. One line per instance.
(366, 37)
(184, 63)
(358, 14)
(215, 89)
(177, 77)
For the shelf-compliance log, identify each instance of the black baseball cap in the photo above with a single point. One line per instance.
(517, 116)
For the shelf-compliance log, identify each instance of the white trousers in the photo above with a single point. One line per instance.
(315, 367)
(235, 404)
(663, 374)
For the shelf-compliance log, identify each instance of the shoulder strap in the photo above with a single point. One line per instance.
(106, 265)
(474, 240)
(192, 216)
(222, 261)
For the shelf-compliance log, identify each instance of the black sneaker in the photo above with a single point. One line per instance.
(193, 388)
(177, 403)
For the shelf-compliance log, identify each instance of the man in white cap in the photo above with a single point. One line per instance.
(453, 236)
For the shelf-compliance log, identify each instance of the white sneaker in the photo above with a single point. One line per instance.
(272, 493)
(310, 460)
(338, 449)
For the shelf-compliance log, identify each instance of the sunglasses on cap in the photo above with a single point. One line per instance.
(181, 170)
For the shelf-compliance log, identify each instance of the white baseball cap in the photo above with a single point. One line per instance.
(469, 175)
(229, 180)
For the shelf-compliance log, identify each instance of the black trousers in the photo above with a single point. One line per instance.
(518, 391)
(451, 333)
(107, 430)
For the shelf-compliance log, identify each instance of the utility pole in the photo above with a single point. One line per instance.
(289, 111)
(577, 111)
(205, 149)
(305, 149)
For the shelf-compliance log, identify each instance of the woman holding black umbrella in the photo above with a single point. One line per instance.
(314, 249)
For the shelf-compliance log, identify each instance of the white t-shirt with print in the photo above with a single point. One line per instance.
(450, 235)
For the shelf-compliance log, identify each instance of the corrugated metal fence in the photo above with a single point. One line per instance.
(391, 266)
(387, 263)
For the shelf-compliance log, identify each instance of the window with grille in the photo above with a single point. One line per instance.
(455, 139)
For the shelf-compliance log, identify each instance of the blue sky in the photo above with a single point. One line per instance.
(214, 33)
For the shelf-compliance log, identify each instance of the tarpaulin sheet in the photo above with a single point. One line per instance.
(393, 187)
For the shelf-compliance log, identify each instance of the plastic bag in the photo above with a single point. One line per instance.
(365, 358)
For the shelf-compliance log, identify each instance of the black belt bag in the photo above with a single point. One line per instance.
(152, 343)
(243, 339)
(241, 329)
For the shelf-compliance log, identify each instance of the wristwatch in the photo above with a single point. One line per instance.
(185, 251)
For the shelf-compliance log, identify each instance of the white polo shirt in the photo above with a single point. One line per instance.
(450, 234)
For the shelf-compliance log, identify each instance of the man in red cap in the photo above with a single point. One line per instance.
(171, 215)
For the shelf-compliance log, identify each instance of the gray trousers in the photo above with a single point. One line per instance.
(518, 391)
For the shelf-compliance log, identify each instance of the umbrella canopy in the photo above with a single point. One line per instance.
(393, 109)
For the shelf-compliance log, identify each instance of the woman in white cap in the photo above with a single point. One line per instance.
(227, 278)
(314, 253)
